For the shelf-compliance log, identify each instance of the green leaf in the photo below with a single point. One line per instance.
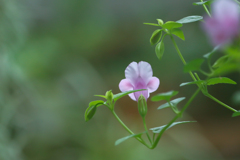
(90, 111)
(170, 24)
(213, 81)
(152, 24)
(97, 102)
(178, 32)
(172, 102)
(235, 114)
(202, 3)
(159, 129)
(190, 19)
(193, 65)
(222, 60)
(122, 94)
(209, 55)
(101, 96)
(127, 137)
(193, 82)
(159, 50)
(156, 36)
(164, 96)
(226, 69)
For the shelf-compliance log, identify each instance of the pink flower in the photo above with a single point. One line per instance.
(139, 76)
(224, 24)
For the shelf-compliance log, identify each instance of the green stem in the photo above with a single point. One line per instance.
(181, 57)
(129, 131)
(146, 129)
(204, 6)
(237, 1)
(223, 104)
(175, 118)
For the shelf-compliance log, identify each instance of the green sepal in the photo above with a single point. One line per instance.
(178, 32)
(159, 50)
(190, 19)
(193, 65)
(213, 81)
(142, 106)
(172, 102)
(193, 82)
(159, 129)
(164, 96)
(170, 24)
(209, 55)
(156, 36)
(152, 24)
(127, 137)
(221, 61)
(235, 114)
(122, 94)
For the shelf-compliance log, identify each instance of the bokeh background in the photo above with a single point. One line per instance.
(55, 55)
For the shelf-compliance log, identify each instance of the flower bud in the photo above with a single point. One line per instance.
(142, 105)
(160, 22)
(109, 96)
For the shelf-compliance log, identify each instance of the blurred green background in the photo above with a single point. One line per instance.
(56, 54)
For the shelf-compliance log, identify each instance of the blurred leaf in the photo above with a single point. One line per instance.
(201, 3)
(222, 60)
(178, 32)
(236, 98)
(172, 102)
(101, 96)
(235, 114)
(213, 81)
(159, 129)
(156, 36)
(193, 65)
(97, 102)
(190, 19)
(209, 55)
(226, 69)
(160, 22)
(193, 82)
(122, 94)
(127, 137)
(159, 50)
(164, 96)
(170, 24)
(90, 111)
(152, 24)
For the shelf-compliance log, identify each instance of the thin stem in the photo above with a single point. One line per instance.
(175, 118)
(129, 131)
(223, 104)
(204, 6)
(237, 1)
(146, 129)
(181, 57)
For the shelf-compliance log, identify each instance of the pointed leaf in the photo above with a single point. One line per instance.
(178, 32)
(228, 68)
(209, 55)
(213, 81)
(101, 96)
(190, 19)
(122, 94)
(235, 114)
(156, 36)
(97, 102)
(127, 137)
(193, 82)
(172, 102)
(164, 96)
(152, 24)
(159, 129)
(204, 2)
(222, 60)
(193, 65)
(170, 24)
(159, 50)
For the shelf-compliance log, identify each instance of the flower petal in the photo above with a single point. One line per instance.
(145, 71)
(132, 72)
(153, 84)
(125, 85)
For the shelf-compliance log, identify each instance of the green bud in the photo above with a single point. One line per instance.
(160, 22)
(109, 96)
(142, 106)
